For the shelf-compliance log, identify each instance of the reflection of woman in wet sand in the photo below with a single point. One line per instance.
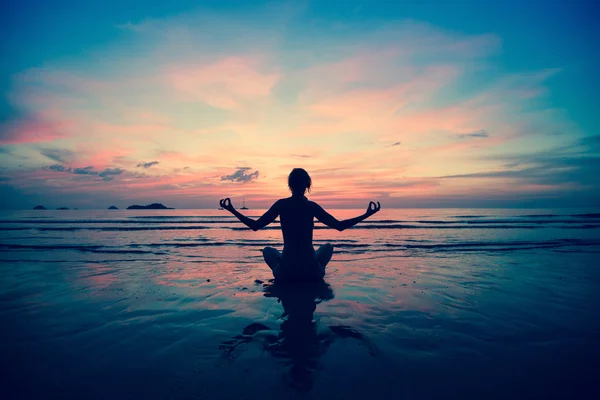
(299, 344)
(299, 260)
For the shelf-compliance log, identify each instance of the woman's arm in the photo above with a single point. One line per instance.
(332, 222)
(263, 221)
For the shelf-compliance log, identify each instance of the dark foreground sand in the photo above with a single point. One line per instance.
(462, 327)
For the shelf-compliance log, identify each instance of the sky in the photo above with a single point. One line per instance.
(410, 103)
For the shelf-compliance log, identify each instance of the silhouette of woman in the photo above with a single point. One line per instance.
(299, 261)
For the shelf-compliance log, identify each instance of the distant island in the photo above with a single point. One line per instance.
(39, 208)
(153, 206)
(62, 208)
(114, 207)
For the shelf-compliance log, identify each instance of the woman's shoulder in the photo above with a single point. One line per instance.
(292, 201)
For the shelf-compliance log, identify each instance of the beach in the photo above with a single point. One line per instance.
(416, 303)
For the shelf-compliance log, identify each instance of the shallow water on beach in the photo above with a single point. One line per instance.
(416, 303)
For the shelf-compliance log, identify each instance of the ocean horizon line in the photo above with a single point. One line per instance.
(329, 208)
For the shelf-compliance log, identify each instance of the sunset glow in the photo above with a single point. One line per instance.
(197, 104)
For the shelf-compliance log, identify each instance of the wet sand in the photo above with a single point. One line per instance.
(435, 328)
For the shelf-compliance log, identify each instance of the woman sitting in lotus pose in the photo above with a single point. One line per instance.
(299, 260)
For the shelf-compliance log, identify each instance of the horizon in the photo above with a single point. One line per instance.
(250, 209)
(416, 105)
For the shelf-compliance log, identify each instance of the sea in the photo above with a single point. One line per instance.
(416, 303)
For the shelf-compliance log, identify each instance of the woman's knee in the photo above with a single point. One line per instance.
(327, 248)
(324, 254)
(268, 250)
(269, 253)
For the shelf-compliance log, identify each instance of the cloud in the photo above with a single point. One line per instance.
(148, 164)
(482, 133)
(85, 171)
(57, 168)
(137, 175)
(109, 173)
(241, 175)
(224, 83)
(394, 144)
(523, 173)
(573, 171)
(59, 155)
(44, 125)
(77, 171)
(591, 143)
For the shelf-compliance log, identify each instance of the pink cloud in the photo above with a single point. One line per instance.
(224, 83)
(375, 108)
(33, 131)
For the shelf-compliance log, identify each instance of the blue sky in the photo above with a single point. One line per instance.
(536, 33)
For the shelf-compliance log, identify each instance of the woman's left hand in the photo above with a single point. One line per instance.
(226, 204)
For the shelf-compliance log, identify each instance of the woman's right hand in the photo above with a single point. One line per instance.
(226, 204)
(373, 208)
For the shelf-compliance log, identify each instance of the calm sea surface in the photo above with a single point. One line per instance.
(450, 303)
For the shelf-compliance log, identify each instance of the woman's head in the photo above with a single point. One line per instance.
(299, 181)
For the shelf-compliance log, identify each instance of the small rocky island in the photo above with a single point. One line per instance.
(62, 208)
(39, 208)
(153, 206)
(113, 208)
